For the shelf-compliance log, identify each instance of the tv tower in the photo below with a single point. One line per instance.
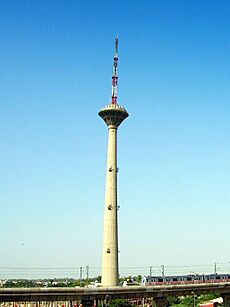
(113, 115)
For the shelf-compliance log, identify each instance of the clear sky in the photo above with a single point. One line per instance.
(174, 149)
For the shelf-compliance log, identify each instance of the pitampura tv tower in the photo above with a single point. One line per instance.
(113, 115)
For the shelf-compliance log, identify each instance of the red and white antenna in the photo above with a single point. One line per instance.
(115, 74)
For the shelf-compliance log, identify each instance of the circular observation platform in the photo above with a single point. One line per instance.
(113, 114)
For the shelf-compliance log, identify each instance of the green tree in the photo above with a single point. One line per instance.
(174, 300)
(138, 278)
(187, 301)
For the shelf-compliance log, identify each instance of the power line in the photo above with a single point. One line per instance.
(73, 272)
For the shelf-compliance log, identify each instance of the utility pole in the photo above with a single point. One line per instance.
(150, 270)
(163, 270)
(87, 272)
(81, 270)
(215, 268)
(194, 298)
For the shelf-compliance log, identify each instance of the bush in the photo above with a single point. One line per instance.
(119, 303)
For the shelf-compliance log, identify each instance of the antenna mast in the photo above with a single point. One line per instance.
(115, 74)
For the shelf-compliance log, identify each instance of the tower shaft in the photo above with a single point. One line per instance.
(110, 275)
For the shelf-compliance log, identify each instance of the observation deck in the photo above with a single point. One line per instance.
(113, 114)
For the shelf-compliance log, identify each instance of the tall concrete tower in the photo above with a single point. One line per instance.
(113, 115)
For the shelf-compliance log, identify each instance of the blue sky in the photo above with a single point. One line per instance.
(55, 75)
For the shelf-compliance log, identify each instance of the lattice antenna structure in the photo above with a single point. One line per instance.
(115, 74)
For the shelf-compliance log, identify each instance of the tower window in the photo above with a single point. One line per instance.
(108, 250)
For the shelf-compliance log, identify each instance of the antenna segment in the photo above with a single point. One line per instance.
(115, 74)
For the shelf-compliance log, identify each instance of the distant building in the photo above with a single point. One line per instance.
(213, 303)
